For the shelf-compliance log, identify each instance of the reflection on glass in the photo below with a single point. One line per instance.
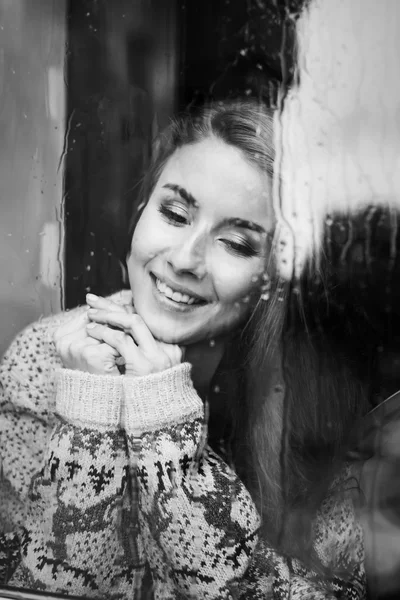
(210, 415)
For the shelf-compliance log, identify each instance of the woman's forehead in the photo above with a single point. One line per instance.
(217, 176)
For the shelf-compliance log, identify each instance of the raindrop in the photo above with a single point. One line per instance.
(212, 343)
(265, 296)
(88, 268)
(217, 389)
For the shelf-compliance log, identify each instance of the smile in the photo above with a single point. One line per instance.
(174, 297)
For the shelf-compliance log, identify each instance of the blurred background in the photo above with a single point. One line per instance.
(85, 85)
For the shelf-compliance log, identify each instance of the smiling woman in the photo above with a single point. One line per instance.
(128, 491)
(200, 246)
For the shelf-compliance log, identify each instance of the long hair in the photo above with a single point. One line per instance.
(285, 392)
(306, 391)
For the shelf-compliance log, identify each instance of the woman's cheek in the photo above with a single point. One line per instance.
(237, 284)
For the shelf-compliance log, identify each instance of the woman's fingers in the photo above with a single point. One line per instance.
(132, 324)
(118, 340)
(99, 303)
(131, 338)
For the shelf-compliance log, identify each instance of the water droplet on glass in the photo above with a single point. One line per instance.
(217, 389)
(212, 343)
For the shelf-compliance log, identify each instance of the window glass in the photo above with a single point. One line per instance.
(233, 413)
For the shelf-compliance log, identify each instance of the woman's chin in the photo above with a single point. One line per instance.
(167, 335)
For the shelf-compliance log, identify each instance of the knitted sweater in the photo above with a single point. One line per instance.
(108, 481)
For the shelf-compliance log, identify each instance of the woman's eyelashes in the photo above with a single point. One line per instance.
(239, 246)
(174, 213)
(179, 215)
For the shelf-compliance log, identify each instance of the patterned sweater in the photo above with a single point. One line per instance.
(107, 484)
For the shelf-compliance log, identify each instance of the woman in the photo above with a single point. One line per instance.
(123, 449)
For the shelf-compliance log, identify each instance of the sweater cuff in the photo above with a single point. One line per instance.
(91, 400)
(160, 400)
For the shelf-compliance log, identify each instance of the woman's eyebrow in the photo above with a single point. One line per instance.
(243, 224)
(228, 222)
(191, 200)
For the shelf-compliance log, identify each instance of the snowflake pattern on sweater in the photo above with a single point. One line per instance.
(108, 481)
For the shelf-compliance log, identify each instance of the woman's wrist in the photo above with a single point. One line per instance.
(159, 400)
(89, 400)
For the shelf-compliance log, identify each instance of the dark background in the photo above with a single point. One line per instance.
(208, 49)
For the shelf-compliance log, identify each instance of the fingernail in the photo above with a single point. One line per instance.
(91, 297)
(92, 311)
(91, 325)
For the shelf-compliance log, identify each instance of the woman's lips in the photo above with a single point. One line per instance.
(176, 296)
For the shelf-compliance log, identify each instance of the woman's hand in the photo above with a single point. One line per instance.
(79, 351)
(131, 339)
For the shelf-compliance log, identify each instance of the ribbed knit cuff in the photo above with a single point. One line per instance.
(160, 400)
(91, 400)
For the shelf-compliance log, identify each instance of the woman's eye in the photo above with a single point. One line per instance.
(241, 248)
(174, 214)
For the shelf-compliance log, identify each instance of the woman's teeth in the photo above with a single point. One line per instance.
(175, 296)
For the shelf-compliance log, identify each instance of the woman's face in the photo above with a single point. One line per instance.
(200, 247)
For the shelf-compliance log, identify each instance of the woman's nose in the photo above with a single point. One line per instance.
(189, 256)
